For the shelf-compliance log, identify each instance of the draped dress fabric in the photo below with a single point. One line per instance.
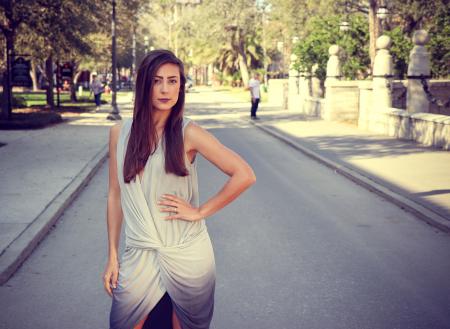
(173, 256)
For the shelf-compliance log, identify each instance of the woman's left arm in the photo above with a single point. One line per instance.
(241, 176)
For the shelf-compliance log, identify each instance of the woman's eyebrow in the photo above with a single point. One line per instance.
(172, 76)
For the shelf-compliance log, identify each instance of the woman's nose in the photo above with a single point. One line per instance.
(164, 87)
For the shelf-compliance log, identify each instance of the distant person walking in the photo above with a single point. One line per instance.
(97, 90)
(255, 93)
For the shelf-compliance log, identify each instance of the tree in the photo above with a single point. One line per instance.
(12, 14)
(325, 32)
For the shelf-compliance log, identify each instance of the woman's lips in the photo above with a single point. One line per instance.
(164, 100)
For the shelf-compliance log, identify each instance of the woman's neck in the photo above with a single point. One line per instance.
(160, 119)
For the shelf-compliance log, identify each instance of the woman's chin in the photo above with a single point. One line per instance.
(163, 107)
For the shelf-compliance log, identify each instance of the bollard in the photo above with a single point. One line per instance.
(382, 86)
(333, 75)
(418, 69)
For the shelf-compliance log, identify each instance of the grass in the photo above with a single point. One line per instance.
(30, 110)
(33, 99)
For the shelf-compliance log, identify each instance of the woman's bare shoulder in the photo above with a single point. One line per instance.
(115, 129)
(114, 132)
(193, 130)
(196, 136)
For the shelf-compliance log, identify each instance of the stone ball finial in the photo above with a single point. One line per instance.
(383, 42)
(420, 37)
(333, 50)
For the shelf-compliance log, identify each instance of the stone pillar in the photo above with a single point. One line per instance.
(382, 86)
(333, 65)
(293, 97)
(316, 84)
(382, 74)
(293, 76)
(303, 89)
(419, 66)
(333, 75)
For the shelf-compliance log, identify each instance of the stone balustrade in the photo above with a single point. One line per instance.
(369, 104)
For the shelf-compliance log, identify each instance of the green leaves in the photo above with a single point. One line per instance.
(324, 33)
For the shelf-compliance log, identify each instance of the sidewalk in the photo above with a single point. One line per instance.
(416, 178)
(41, 172)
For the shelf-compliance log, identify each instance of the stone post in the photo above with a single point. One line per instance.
(303, 89)
(293, 97)
(382, 74)
(419, 66)
(382, 86)
(333, 65)
(333, 75)
(316, 86)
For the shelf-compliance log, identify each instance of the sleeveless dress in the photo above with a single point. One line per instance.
(173, 256)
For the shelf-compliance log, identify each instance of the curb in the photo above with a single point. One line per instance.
(19, 250)
(416, 209)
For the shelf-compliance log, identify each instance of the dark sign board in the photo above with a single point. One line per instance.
(66, 71)
(21, 73)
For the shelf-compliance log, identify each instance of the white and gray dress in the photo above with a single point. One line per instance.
(173, 256)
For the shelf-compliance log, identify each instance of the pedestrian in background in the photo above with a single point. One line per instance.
(97, 90)
(255, 93)
(166, 276)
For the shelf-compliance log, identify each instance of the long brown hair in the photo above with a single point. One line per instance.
(143, 141)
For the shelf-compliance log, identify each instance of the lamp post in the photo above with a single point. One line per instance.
(146, 43)
(344, 26)
(114, 114)
(382, 14)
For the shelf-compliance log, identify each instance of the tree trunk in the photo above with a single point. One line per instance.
(73, 87)
(33, 75)
(73, 82)
(374, 30)
(49, 76)
(4, 115)
(7, 85)
(243, 61)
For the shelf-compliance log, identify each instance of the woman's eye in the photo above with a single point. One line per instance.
(156, 81)
(173, 81)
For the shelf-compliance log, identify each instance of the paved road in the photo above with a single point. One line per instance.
(304, 248)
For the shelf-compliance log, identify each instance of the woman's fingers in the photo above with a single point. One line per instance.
(114, 279)
(173, 217)
(168, 209)
(110, 280)
(106, 283)
(168, 203)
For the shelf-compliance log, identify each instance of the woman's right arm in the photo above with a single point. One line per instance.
(114, 214)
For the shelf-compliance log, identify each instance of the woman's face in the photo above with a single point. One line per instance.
(166, 87)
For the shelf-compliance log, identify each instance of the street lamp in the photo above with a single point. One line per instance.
(114, 114)
(344, 26)
(382, 14)
(146, 43)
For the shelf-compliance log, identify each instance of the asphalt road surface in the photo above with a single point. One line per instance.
(303, 248)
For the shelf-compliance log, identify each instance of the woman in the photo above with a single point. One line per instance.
(168, 259)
